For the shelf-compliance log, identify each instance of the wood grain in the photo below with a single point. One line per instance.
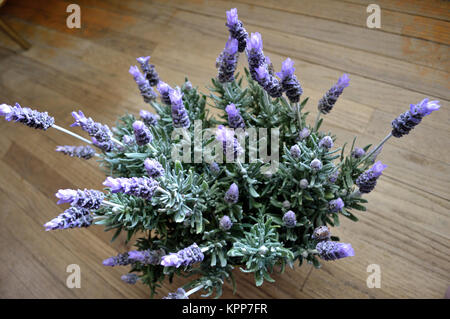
(406, 227)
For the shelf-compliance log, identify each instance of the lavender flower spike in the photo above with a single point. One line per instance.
(304, 133)
(225, 223)
(269, 83)
(119, 260)
(179, 294)
(235, 119)
(153, 167)
(185, 257)
(316, 164)
(336, 205)
(331, 250)
(27, 116)
(255, 54)
(289, 81)
(101, 132)
(85, 152)
(403, 124)
(327, 102)
(326, 142)
(236, 29)
(142, 133)
(137, 186)
(130, 278)
(367, 180)
(87, 198)
(358, 152)
(146, 257)
(180, 116)
(232, 194)
(295, 151)
(148, 117)
(289, 219)
(164, 90)
(146, 90)
(70, 218)
(227, 61)
(149, 70)
(230, 144)
(321, 233)
(106, 146)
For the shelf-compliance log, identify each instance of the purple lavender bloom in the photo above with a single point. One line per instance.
(230, 144)
(236, 29)
(225, 223)
(255, 54)
(336, 205)
(149, 70)
(101, 132)
(327, 102)
(304, 133)
(235, 119)
(70, 218)
(304, 183)
(27, 116)
(130, 278)
(358, 152)
(289, 81)
(153, 167)
(179, 294)
(333, 176)
(119, 260)
(106, 146)
(232, 194)
(321, 233)
(331, 250)
(268, 82)
(87, 198)
(164, 90)
(146, 90)
(185, 257)
(316, 164)
(295, 151)
(367, 180)
(289, 219)
(146, 257)
(214, 167)
(403, 124)
(326, 142)
(227, 61)
(148, 117)
(141, 133)
(180, 116)
(270, 66)
(137, 186)
(127, 139)
(85, 152)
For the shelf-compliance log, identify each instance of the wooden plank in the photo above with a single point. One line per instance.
(355, 14)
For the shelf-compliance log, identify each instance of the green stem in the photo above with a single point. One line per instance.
(194, 290)
(375, 149)
(59, 128)
(316, 124)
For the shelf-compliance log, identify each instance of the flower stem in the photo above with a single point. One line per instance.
(116, 141)
(316, 124)
(152, 148)
(59, 128)
(194, 290)
(112, 204)
(375, 149)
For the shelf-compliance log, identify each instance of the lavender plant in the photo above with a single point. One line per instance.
(205, 218)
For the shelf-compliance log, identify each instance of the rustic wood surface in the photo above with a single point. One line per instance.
(406, 227)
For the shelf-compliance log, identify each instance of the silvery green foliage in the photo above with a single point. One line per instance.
(192, 205)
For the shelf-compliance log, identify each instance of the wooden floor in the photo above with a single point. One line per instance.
(406, 230)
